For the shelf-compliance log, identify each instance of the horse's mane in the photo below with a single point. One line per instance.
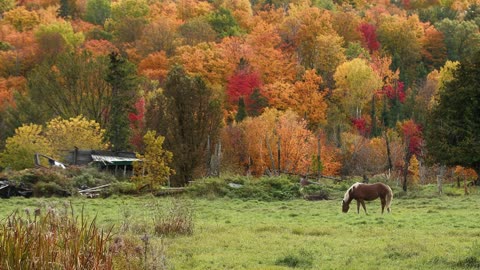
(347, 194)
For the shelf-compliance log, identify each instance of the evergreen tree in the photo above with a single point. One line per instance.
(123, 81)
(67, 9)
(242, 112)
(186, 115)
(258, 103)
(453, 132)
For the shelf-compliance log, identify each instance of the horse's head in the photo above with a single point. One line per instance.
(345, 206)
(347, 198)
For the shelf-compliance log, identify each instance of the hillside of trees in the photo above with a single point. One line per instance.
(328, 87)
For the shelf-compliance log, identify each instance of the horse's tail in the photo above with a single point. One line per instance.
(389, 198)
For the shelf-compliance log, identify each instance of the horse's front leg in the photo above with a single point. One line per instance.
(358, 206)
(363, 205)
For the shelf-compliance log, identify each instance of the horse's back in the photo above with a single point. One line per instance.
(372, 191)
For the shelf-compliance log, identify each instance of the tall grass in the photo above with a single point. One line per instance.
(174, 219)
(53, 241)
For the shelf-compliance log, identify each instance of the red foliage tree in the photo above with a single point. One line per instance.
(361, 125)
(412, 137)
(397, 92)
(137, 123)
(412, 134)
(369, 35)
(242, 84)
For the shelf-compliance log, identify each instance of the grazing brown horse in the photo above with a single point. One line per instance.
(367, 192)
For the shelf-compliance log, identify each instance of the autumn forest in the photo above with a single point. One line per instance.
(259, 87)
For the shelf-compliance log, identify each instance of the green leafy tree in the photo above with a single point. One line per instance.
(98, 11)
(73, 85)
(224, 23)
(6, 5)
(128, 19)
(462, 38)
(65, 29)
(187, 115)
(436, 13)
(154, 168)
(453, 132)
(401, 37)
(124, 82)
(21, 147)
(24, 111)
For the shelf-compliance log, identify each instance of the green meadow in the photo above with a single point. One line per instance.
(428, 232)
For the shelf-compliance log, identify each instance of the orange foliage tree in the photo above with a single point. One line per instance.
(277, 142)
(310, 101)
(8, 87)
(22, 55)
(266, 57)
(100, 47)
(155, 66)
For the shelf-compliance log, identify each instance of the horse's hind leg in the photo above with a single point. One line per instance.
(383, 205)
(358, 207)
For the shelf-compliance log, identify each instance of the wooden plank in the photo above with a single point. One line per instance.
(94, 188)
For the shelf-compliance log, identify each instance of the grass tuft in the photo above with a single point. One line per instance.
(175, 219)
(302, 259)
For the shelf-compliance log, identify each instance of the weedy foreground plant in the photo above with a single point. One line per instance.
(53, 240)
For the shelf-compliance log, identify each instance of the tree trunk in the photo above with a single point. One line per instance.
(408, 157)
(422, 171)
(390, 166)
(405, 172)
(440, 179)
(476, 167)
(272, 161)
(373, 132)
(208, 160)
(279, 166)
(319, 159)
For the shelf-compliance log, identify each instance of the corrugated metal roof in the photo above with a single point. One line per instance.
(112, 159)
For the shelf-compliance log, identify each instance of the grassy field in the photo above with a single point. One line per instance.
(435, 232)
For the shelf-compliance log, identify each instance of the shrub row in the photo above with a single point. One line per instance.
(263, 188)
(62, 182)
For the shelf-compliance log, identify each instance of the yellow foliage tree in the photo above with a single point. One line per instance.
(77, 132)
(154, 168)
(414, 169)
(22, 19)
(356, 82)
(21, 147)
(206, 61)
